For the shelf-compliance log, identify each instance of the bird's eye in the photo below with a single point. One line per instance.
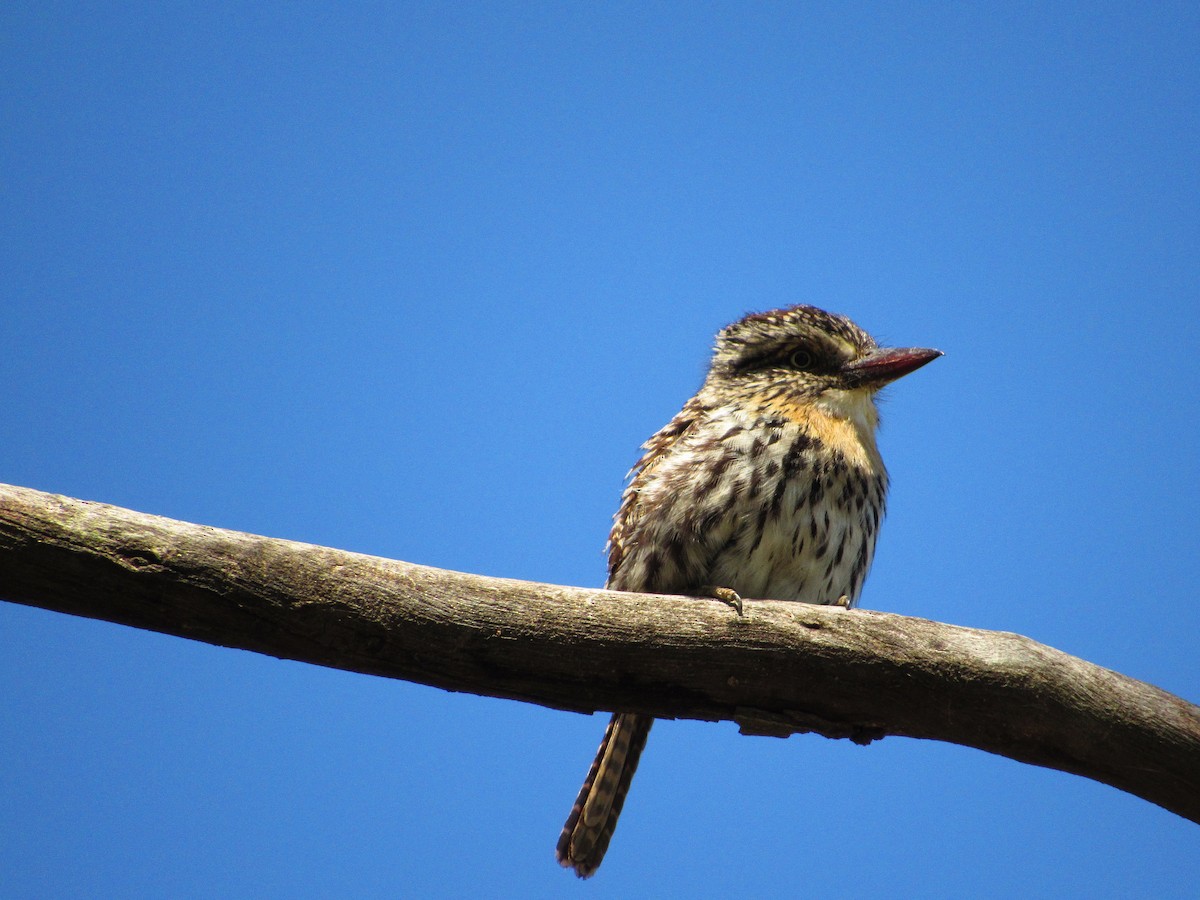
(800, 359)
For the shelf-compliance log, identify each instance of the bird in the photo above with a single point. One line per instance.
(768, 484)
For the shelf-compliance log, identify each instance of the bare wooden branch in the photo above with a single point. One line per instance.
(781, 668)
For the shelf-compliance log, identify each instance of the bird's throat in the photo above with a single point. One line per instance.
(844, 421)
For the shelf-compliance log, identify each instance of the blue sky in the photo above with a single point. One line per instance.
(416, 280)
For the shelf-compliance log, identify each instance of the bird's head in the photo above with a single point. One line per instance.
(809, 355)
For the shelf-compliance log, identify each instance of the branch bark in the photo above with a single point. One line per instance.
(780, 669)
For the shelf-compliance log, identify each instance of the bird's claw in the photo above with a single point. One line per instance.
(727, 596)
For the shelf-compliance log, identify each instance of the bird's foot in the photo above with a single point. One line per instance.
(842, 601)
(728, 596)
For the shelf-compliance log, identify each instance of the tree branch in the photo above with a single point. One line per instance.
(780, 669)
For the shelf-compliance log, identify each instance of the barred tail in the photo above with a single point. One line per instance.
(593, 818)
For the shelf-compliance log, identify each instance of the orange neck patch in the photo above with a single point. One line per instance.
(845, 423)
